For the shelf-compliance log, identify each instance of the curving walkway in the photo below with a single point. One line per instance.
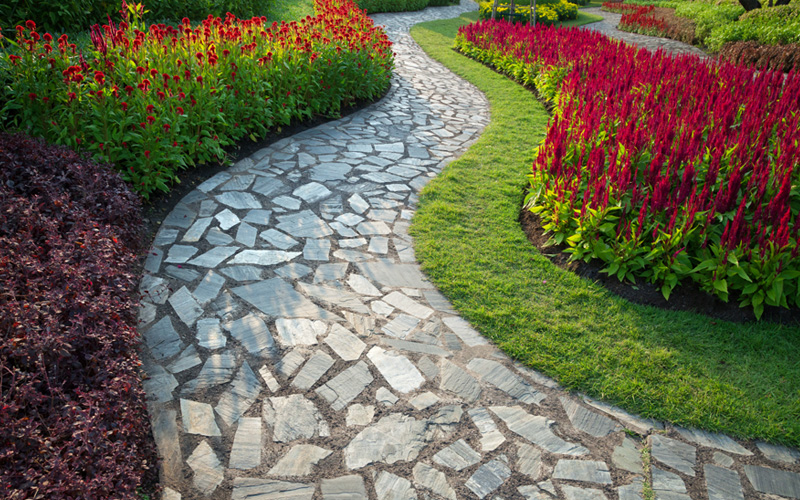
(295, 350)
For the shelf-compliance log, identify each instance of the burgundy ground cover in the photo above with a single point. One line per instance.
(665, 168)
(73, 423)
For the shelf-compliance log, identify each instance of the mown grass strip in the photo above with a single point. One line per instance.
(741, 379)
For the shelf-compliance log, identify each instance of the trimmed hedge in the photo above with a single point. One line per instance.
(73, 422)
(378, 6)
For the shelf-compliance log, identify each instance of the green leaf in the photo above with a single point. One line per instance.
(666, 290)
(721, 285)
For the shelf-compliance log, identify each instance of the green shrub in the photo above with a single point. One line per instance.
(377, 6)
(547, 11)
(442, 3)
(769, 26)
(708, 17)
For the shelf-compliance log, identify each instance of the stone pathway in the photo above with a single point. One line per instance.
(295, 350)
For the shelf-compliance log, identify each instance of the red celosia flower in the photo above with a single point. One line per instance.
(124, 106)
(30, 24)
(151, 119)
(147, 154)
(32, 96)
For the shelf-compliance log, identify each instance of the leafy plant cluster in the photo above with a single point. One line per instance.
(547, 11)
(755, 55)
(666, 169)
(73, 16)
(377, 6)
(73, 422)
(154, 99)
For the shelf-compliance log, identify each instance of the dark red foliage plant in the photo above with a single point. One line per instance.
(73, 422)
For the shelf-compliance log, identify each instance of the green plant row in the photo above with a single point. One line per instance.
(547, 11)
(377, 6)
(155, 99)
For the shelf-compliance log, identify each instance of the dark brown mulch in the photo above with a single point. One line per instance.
(765, 57)
(685, 297)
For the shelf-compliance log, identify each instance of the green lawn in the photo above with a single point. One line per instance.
(289, 10)
(742, 379)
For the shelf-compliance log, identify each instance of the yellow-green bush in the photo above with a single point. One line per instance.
(547, 11)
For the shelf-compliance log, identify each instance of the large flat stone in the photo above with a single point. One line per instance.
(713, 440)
(299, 461)
(401, 373)
(400, 326)
(491, 437)
(299, 331)
(419, 347)
(465, 332)
(779, 453)
(345, 344)
(240, 396)
(434, 480)
(162, 339)
(208, 471)
(722, 484)
(408, 305)
(312, 192)
(317, 249)
(457, 456)
(209, 333)
(304, 224)
(362, 285)
(159, 383)
(294, 417)
(390, 274)
(627, 457)
(188, 359)
(393, 438)
(178, 254)
(346, 386)
(458, 381)
(774, 481)
(668, 486)
(167, 438)
(575, 493)
(213, 257)
(263, 257)
(319, 363)
(344, 488)
(488, 478)
(246, 450)
(209, 288)
(275, 297)
(218, 369)
(335, 297)
(536, 429)
(185, 306)
(391, 487)
(588, 421)
(680, 456)
(198, 418)
(238, 200)
(247, 488)
(504, 379)
(590, 471)
(252, 333)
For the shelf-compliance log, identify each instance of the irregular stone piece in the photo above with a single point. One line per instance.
(181, 216)
(317, 250)
(269, 379)
(488, 478)
(346, 386)
(187, 359)
(208, 472)
(632, 491)
(186, 307)
(358, 204)
(359, 414)
(713, 440)
(457, 456)
(400, 326)
(779, 453)
(346, 345)
(722, 484)
(529, 460)
(406, 345)
(246, 450)
(263, 257)
(242, 273)
(218, 238)
(401, 373)
(319, 363)
(156, 289)
(408, 305)
(457, 381)
(464, 331)
(238, 200)
(275, 297)
(590, 471)
(434, 480)
(588, 421)
(178, 254)
(241, 395)
(392, 439)
(668, 486)
(575, 493)
(259, 217)
(166, 435)
(194, 233)
(504, 379)
(680, 456)
(227, 219)
(213, 257)
(394, 275)
(723, 459)
(344, 488)
(312, 192)
(247, 488)
(330, 272)
(368, 228)
(290, 363)
(301, 331)
(774, 481)
(641, 426)
(335, 296)
(279, 239)
(362, 285)
(304, 224)
(209, 288)
(299, 461)
(163, 340)
(385, 396)
(364, 325)
(294, 417)
(209, 333)
(536, 429)
(170, 494)
(217, 370)
(424, 400)
(391, 487)
(246, 234)
(428, 367)
(198, 418)
(159, 383)
(491, 437)
(293, 271)
(252, 332)
(627, 457)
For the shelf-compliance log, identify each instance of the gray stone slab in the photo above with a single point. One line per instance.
(208, 471)
(207, 208)
(319, 363)
(588, 421)
(590, 471)
(668, 486)
(465, 332)
(529, 460)
(238, 200)
(263, 257)
(627, 457)
(294, 417)
(378, 245)
(713, 440)
(779, 453)
(318, 250)
(491, 437)
(408, 305)
(723, 459)
(213, 257)
(159, 383)
(246, 488)
(312, 192)
(258, 217)
(269, 379)
(198, 418)
(457, 456)
(335, 296)
(400, 326)
(217, 237)
(167, 438)
(349, 219)
(437, 301)
(401, 373)
(458, 381)
(488, 478)
(246, 449)
(428, 367)
(635, 423)
(363, 325)
(293, 271)
(362, 285)
(344, 488)
(330, 272)
(187, 359)
(434, 480)
(391, 487)
(346, 386)
(146, 315)
(349, 241)
(212, 183)
(304, 224)
(182, 273)
(210, 334)
(330, 172)
(537, 430)
(209, 288)
(504, 379)
(351, 255)
(181, 216)
(246, 234)
(242, 273)
(299, 461)
(346, 232)
(680, 456)
(722, 484)
(359, 415)
(424, 400)
(278, 239)
(196, 231)
(345, 344)
(275, 297)
(290, 363)
(368, 228)
(385, 396)
(358, 204)
(218, 369)
(251, 332)
(774, 481)
(268, 186)
(388, 273)
(165, 236)
(227, 219)
(238, 183)
(632, 491)
(576, 493)
(162, 339)
(240, 396)
(392, 439)
(331, 206)
(178, 254)
(299, 331)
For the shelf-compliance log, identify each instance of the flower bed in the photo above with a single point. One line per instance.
(73, 422)
(547, 11)
(666, 168)
(155, 99)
